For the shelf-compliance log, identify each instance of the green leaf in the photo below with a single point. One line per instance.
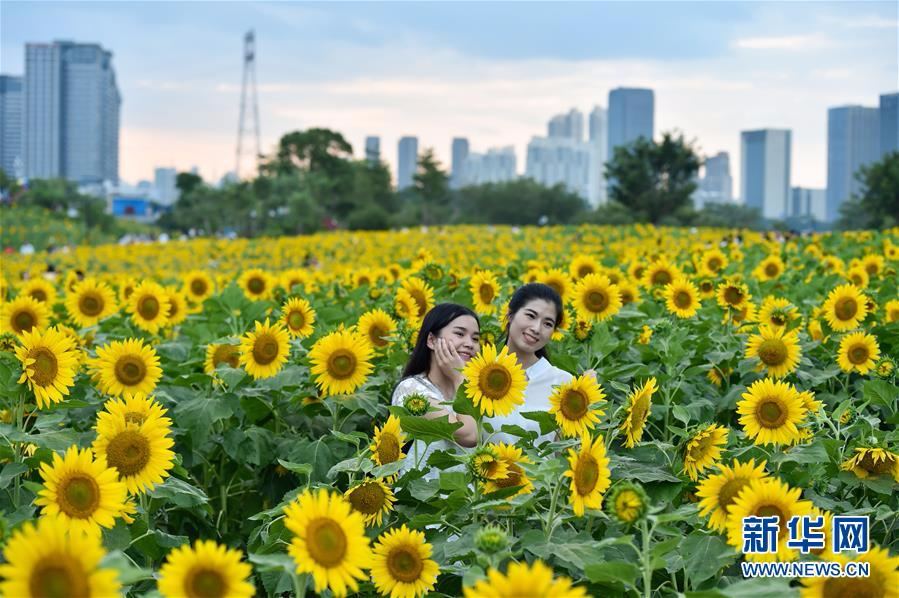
(881, 392)
(680, 414)
(544, 418)
(749, 588)
(180, 493)
(804, 453)
(704, 555)
(453, 480)
(444, 459)
(472, 575)
(388, 469)
(429, 430)
(612, 571)
(128, 573)
(275, 561)
(423, 489)
(10, 472)
(297, 468)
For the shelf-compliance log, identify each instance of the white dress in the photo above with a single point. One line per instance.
(419, 452)
(542, 377)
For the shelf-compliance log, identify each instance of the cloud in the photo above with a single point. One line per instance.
(815, 41)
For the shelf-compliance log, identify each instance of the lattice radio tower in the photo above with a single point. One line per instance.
(249, 80)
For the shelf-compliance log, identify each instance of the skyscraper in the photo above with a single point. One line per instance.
(457, 167)
(599, 138)
(889, 123)
(11, 125)
(71, 112)
(765, 171)
(372, 149)
(562, 160)
(498, 165)
(407, 162)
(853, 140)
(808, 204)
(716, 185)
(165, 187)
(631, 115)
(569, 125)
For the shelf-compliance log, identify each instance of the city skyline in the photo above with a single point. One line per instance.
(400, 70)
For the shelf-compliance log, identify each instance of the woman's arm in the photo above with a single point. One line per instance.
(451, 365)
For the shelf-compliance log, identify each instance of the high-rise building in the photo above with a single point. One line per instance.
(372, 149)
(853, 141)
(889, 123)
(71, 113)
(407, 162)
(808, 204)
(631, 115)
(569, 125)
(716, 184)
(765, 171)
(457, 166)
(11, 125)
(562, 160)
(599, 138)
(165, 187)
(498, 165)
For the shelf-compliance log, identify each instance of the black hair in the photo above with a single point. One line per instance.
(434, 321)
(527, 293)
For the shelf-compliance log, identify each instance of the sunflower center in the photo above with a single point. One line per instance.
(626, 296)
(485, 291)
(404, 564)
(296, 320)
(845, 308)
(342, 364)
(375, 333)
(772, 270)
(226, 354)
(421, 301)
(573, 405)
(584, 271)
(513, 478)
(198, 286)
(858, 354)
(326, 542)
(705, 286)
(772, 352)
(24, 321)
(256, 285)
(586, 474)
(698, 451)
(714, 264)
(388, 449)
(39, 295)
(661, 278)
(771, 511)
(91, 304)
(58, 576)
(368, 498)
(771, 413)
(869, 464)
(627, 505)
(130, 370)
(596, 300)
(79, 496)
(495, 382)
(265, 349)
(128, 452)
(855, 587)
(729, 492)
(639, 412)
(778, 319)
(44, 368)
(682, 299)
(205, 583)
(733, 295)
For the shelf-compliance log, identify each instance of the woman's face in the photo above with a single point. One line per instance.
(531, 327)
(463, 334)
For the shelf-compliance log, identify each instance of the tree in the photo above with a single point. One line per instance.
(187, 182)
(877, 206)
(653, 180)
(431, 184)
(522, 201)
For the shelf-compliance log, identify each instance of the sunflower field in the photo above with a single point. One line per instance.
(212, 418)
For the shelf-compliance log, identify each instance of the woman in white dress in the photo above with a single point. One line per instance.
(448, 338)
(534, 311)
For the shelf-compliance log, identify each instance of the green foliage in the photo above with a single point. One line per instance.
(877, 206)
(521, 202)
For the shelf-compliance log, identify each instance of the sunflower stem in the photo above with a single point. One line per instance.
(646, 559)
(549, 525)
(299, 584)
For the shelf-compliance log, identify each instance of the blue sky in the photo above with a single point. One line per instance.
(494, 72)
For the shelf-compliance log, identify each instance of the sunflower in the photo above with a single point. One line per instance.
(421, 292)
(401, 566)
(858, 352)
(83, 491)
(264, 350)
(89, 302)
(298, 317)
(387, 445)
(558, 280)
(256, 284)
(712, 262)
(494, 381)
(645, 335)
(868, 462)
(766, 497)
(660, 274)
(292, 278)
(134, 410)
(372, 498)
(845, 307)
(571, 405)
(628, 291)
(178, 309)
(703, 450)
(39, 289)
(218, 353)
(149, 306)
(858, 277)
(513, 457)
(627, 502)
(769, 268)
(486, 464)
(808, 399)
(596, 298)
(589, 473)
(22, 314)
(405, 307)
(484, 290)
(891, 311)
(328, 540)
(49, 363)
(340, 362)
(777, 351)
(771, 412)
(44, 558)
(363, 277)
(140, 452)
(639, 404)
(582, 329)
(207, 570)
(377, 326)
(522, 580)
(882, 581)
(706, 288)
(777, 312)
(126, 288)
(682, 298)
(581, 265)
(733, 294)
(885, 367)
(197, 285)
(127, 368)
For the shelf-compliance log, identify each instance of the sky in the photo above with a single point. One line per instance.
(494, 72)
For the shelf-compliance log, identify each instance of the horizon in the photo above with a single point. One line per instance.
(439, 70)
